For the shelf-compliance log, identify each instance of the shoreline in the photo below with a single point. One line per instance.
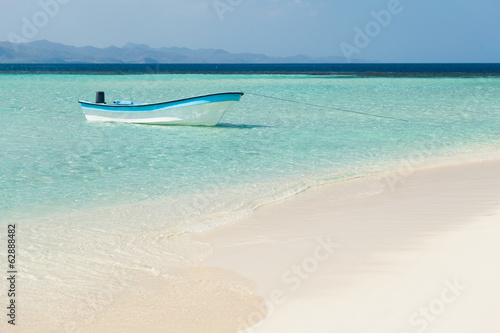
(343, 249)
(392, 172)
(275, 247)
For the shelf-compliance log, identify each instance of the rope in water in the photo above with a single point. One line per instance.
(328, 107)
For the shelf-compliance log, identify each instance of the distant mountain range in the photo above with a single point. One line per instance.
(43, 51)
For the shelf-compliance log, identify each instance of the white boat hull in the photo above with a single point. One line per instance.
(197, 111)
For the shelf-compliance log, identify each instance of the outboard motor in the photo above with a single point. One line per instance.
(99, 97)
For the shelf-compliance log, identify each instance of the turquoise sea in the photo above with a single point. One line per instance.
(53, 161)
(91, 199)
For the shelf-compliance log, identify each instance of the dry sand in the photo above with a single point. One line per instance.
(419, 256)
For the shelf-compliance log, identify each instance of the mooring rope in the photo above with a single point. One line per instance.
(328, 107)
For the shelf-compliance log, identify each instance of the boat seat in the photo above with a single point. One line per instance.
(124, 102)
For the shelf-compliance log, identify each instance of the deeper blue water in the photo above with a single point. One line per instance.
(382, 69)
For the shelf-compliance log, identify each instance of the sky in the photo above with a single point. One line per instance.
(375, 30)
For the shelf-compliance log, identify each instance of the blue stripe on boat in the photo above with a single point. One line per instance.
(212, 98)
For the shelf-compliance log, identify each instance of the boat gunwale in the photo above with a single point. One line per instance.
(159, 103)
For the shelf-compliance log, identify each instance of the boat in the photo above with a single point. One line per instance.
(205, 110)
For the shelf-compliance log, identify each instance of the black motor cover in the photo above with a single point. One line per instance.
(99, 97)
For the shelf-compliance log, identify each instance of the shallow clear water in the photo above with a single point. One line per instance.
(54, 161)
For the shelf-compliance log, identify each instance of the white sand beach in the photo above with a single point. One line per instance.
(420, 256)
